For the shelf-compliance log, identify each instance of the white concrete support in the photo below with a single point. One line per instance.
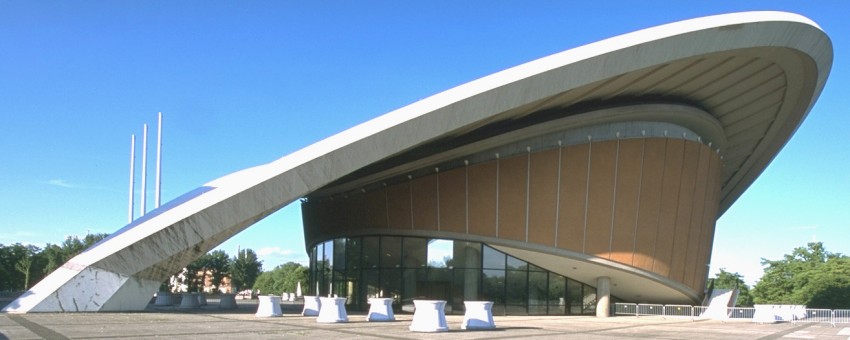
(478, 315)
(269, 306)
(332, 310)
(227, 301)
(380, 309)
(312, 304)
(291, 297)
(430, 316)
(189, 300)
(162, 299)
(202, 299)
(603, 297)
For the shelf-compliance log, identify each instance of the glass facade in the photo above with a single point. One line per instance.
(408, 268)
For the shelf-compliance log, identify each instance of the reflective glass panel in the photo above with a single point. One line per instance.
(371, 252)
(493, 259)
(390, 252)
(440, 253)
(415, 252)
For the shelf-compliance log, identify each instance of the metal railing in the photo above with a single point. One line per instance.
(830, 316)
(740, 312)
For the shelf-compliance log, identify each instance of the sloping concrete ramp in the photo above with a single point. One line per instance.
(123, 271)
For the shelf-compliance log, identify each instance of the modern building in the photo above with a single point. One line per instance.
(552, 187)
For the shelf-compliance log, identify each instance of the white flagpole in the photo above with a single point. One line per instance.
(144, 169)
(132, 176)
(158, 161)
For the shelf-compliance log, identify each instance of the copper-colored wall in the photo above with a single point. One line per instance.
(648, 203)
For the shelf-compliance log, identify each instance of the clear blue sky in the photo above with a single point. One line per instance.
(244, 84)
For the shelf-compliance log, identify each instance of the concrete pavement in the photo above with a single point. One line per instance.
(212, 322)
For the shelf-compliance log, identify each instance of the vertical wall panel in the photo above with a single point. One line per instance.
(376, 208)
(626, 202)
(398, 205)
(354, 212)
(600, 198)
(425, 202)
(543, 197)
(697, 213)
(482, 199)
(683, 213)
(650, 202)
(453, 200)
(573, 197)
(513, 177)
(709, 219)
(669, 205)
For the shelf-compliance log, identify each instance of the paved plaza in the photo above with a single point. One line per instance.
(211, 322)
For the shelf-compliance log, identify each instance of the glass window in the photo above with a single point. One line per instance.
(493, 285)
(515, 263)
(339, 254)
(353, 248)
(589, 300)
(327, 255)
(538, 282)
(557, 294)
(516, 291)
(371, 252)
(493, 259)
(415, 252)
(440, 253)
(575, 294)
(466, 254)
(390, 252)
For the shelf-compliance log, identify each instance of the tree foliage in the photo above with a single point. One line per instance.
(214, 265)
(283, 278)
(244, 269)
(21, 266)
(809, 276)
(729, 280)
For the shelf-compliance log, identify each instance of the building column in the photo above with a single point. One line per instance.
(603, 297)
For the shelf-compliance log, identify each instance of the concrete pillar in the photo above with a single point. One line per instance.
(603, 297)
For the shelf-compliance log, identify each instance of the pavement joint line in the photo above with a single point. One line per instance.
(786, 332)
(39, 330)
(345, 330)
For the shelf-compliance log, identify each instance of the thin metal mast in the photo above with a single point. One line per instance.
(144, 169)
(158, 161)
(132, 177)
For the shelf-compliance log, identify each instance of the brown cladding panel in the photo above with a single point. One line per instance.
(482, 199)
(683, 213)
(600, 198)
(398, 205)
(513, 190)
(700, 186)
(650, 202)
(453, 200)
(376, 208)
(543, 197)
(669, 205)
(425, 202)
(573, 197)
(709, 219)
(354, 212)
(626, 202)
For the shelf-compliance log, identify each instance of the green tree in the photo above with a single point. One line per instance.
(218, 267)
(57, 255)
(728, 280)
(808, 276)
(283, 278)
(244, 269)
(20, 265)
